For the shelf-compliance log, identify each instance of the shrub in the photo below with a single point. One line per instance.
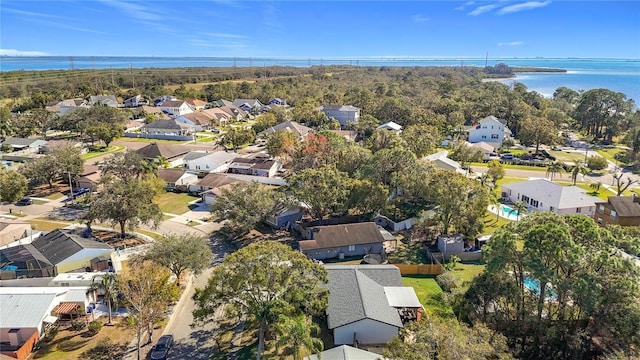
(596, 162)
(77, 325)
(446, 281)
(94, 327)
(51, 334)
(105, 350)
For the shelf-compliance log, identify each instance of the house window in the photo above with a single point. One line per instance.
(525, 198)
(601, 209)
(484, 126)
(494, 136)
(578, 210)
(352, 248)
(599, 221)
(551, 208)
(534, 203)
(613, 214)
(484, 136)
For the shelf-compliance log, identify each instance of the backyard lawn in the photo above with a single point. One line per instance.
(174, 203)
(429, 293)
(465, 273)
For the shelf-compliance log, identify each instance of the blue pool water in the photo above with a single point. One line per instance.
(533, 285)
(508, 210)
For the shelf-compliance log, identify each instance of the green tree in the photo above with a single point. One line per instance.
(180, 253)
(147, 293)
(292, 285)
(324, 189)
(124, 203)
(128, 166)
(446, 339)
(596, 162)
(282, 144)
(264, 122)
(384, 139)
(366, 197)
(521, 208)
(62, 162)
(495, 170)
(6, 124)
(537, 130)
(578, 168)
(601, 113)
(236, 138)
(421, 139)
(464, 154)
(554, 168)
(106, 132)
(13, 185)
(297, 333)
(246, 205)
(109, 285)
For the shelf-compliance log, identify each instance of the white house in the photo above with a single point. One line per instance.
(545, 195)
(344, 114)
(252, 106)
(490, 130)
(175, 108)
(209, 162)
(486, 148)
(105, 100)
(368, 303)
(441, 161)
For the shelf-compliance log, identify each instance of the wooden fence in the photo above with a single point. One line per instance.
(423, 269)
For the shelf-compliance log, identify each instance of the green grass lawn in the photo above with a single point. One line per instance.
(465, 273)
(174, 203)
(567, 156)
(429, 293)
(111, 149)
(514, 167)
(610, 153)
(491, 225)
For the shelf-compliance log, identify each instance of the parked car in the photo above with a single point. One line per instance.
(507, 157)
(162, 347)
(24, 201)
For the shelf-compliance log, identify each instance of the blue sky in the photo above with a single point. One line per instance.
(317, 29)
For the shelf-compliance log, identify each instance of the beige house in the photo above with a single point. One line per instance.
(12, 230)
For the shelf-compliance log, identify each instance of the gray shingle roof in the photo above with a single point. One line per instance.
(24, 310)
(291, 126)
(61, 244)
(345, 352)
(339, 108)
(331, 236)
(153, 150)
(357, 293)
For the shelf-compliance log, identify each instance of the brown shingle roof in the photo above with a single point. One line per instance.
(331, 236)
(170, 175)
(196, 102)
(216, 180)
(153, 150)
(625, 205)
(199, 118)
(172, 103)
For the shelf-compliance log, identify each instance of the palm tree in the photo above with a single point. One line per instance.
(520, 207)
(579, 168)
(109, 285)
(296, 332)
(163, 161)
(595, 187)
(486, 181)
(554, 168)
(494, 200)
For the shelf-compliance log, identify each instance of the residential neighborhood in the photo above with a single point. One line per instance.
(358, 223)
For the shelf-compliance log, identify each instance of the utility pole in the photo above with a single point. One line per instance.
(70, 186)
(133, 80)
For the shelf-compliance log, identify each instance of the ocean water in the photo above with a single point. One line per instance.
(620, 75)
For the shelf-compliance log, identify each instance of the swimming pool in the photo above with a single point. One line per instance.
(533, 285)
(508, 210)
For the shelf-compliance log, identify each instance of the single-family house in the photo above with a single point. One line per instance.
(284, 218)
(252, 106)
(66, 106)
(441, 161)
(490, 130)
(90, 177)
(219, 116)
(167, 130)
(618, 210)
(237, 113)
(348, 135)
(221, 103)
(31, 146)
(209, 162)
(344, 352)
(177, 179)
(344, 240)
(545, 195)
(173, 153)
(196, 104)
(391, 126)
(12, 230)
(278, 102)
(161, 99)
(210, 182)
(134, 101)
(146, 110)
(175, 108)
(254, 166)
(300, 131)
(368, 304)
(199, 120)
(344, 114)
(486, 148)
(104, 100)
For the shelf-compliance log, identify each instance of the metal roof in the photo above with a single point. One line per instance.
(402, 297)
(344, 352)
(24, 310)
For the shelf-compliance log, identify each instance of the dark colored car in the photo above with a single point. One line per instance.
(24, 201)
(161, 350)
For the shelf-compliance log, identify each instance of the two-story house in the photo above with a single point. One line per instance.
(618, 210)
(344, 114)
(175, 108)
(489, 130)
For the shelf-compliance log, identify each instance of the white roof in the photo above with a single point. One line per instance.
(442, 157)
(79, 276)
(390, 126)
(24, 310)
(401, 297)
(76, 295)
(345, 352)
(552, 194)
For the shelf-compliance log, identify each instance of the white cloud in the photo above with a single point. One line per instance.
(512, 43)
(14, 52)
(464, 6)
(523, 6)
(225, 35)
(419, 18)
(29, 13)
(482, 9)
(136, 11)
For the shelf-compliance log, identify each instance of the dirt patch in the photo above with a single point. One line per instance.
(114, 240)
